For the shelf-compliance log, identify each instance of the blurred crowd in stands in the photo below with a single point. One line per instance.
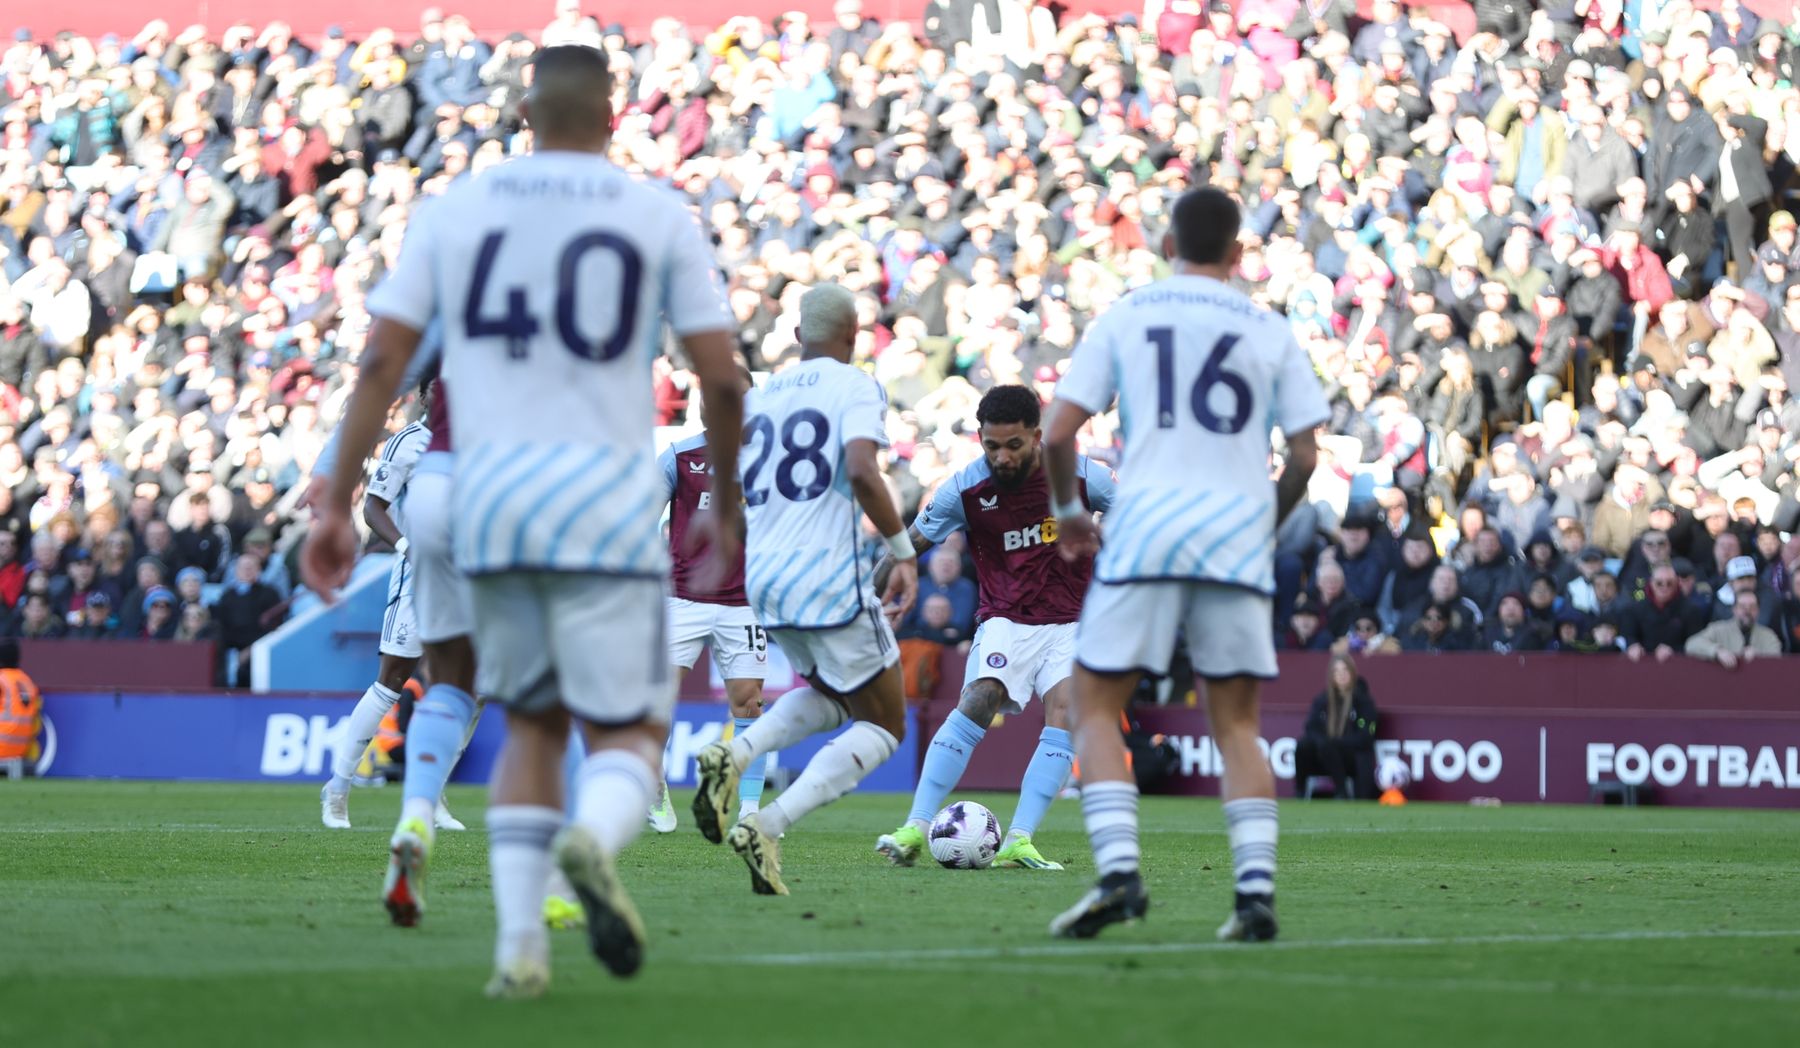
(1542, 256)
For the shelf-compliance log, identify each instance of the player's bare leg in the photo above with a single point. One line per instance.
(745, 694)
(946, 758)
(1109, 801)
(1044, 778)
(1248, 790)
(364, 721)
(440, 729)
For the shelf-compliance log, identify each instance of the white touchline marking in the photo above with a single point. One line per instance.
(1098, 949)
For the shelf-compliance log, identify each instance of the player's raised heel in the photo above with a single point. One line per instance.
(902, 847)
(1254, 921)
(1119, 898)
(762, 854)
(717, 790)
(615, 931)
(404, 891)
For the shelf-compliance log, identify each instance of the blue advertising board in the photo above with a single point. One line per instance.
(237, 738)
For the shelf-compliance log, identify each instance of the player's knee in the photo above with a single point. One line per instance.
(1057, 707)
(395, 672)
(981, 701)
(745, 701)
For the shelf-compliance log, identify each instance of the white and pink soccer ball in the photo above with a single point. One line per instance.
(1392, 774)
(964, 836)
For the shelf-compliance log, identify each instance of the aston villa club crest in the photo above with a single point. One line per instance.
(996, 661)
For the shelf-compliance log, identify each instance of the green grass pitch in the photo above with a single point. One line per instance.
(194, 915)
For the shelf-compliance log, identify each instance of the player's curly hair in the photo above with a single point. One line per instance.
(1007, 404)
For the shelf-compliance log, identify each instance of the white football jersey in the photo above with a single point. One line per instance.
(554, 274)
(399, 456)
(802, 568)
(1203, 377)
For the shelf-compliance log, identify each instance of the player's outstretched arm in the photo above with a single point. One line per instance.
(871, 491)
(331, 546)
(1077, 535)
(920, 545)
(1296, 471)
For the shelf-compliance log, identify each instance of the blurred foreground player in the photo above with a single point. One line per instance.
(555, 274)
(1202, 375)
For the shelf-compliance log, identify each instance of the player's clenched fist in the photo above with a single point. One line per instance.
(1077, 536)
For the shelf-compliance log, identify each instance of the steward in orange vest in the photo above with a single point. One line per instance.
(21, 708)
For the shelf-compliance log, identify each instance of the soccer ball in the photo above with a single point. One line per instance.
(965, 836)
(1393, 774)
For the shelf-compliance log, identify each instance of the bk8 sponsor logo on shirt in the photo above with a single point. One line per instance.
(1036, 535)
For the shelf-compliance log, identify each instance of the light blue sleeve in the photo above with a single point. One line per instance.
(1101, 485)
(943, 516)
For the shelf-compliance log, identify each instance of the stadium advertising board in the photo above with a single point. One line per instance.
(1515, 757)
(201, 736)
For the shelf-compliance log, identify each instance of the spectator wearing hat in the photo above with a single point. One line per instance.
(159, 617)
(1785, 237)
(1408, 587)
(1687, 235)
(1580, 591)
(1305, 631)
(1364, 562)
(1738, 638)
(1772, 277)
(1366, 636)
(94, 620)
(1740, 578)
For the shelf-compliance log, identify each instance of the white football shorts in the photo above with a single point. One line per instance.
(584, 641)
(1132, 626)
(399, 623)
(846, 658)
(441, 598)
(740, 648)
(1026, 660)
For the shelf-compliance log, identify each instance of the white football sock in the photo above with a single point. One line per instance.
(835, 771)
(800, 714)
(363, 723)
(1254, 824)
(614, 789)
(1110, 810)
(519, 838)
